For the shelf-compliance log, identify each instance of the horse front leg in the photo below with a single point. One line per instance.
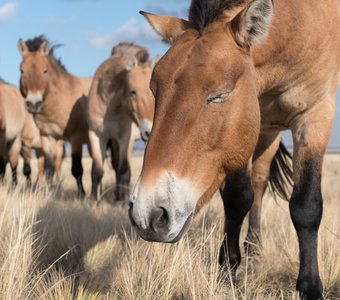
(121, 154)
(265, 151)
(311, 133)
(237, 195)
(60, 153)
(40, 156)
(98, 151)
(13, 157)
(47, 144)
(3, 154)
(77, 167)
(26, 149)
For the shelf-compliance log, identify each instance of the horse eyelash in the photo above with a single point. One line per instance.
(224, 97)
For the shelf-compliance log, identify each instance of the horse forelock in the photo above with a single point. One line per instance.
(204, 12)
(34, 45)
(141, 54)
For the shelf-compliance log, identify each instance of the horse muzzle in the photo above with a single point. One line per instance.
(34, 102)
(34, 107)
(163, 212)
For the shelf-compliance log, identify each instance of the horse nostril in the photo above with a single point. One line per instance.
(38, 104)
(147, 133)
(28, 104)
(159, 219)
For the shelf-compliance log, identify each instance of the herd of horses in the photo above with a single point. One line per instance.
(54, 106)
(237, 73)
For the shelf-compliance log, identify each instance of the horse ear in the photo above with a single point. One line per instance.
(132, 63)
(252, 24)
(22, 47)
(44, 48)
(170, 28)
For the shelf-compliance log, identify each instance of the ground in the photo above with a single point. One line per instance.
(54, 246)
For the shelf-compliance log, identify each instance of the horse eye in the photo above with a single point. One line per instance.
(22, 71)
(133, 93)
(221, 98)
(45, 71)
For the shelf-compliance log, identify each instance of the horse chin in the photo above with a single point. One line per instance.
(162, 238)
(184, 229)
(35, 111)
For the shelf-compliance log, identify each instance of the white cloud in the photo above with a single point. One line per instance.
(131, 31)
(7, 11)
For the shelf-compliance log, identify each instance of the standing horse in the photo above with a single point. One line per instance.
(235, 76)
(119, 96)
(57, 100)
(12, 118)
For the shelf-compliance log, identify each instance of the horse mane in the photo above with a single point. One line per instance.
(204, 12)
(34, 44)
(142, 54)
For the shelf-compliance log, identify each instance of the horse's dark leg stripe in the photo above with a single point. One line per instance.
(14, 176)
(77, 172)
(49, 167)
(97, 174)
(237, 196)
(123, 180)
(306, 212)
(2, 168)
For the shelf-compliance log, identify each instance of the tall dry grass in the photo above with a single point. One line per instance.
(56, 247)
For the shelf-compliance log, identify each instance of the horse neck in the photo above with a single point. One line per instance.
(292, 48)
(62, 83)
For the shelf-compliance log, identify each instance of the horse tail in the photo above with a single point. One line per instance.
(281, 173)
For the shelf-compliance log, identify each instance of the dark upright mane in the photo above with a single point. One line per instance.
(204, 12)
(139, 52)
(34, 44)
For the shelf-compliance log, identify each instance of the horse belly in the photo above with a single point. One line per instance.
(49, 129)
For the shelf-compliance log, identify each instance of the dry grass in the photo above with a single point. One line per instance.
(56, 247)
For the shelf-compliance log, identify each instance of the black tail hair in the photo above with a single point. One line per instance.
(281, 173)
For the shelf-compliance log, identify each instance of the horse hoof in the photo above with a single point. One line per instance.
(310, 289)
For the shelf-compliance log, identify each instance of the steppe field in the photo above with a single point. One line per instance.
(54, 246)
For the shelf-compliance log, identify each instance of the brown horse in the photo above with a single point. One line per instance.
(237, 73)
(119, 96)
(12, 118)
(57, 100)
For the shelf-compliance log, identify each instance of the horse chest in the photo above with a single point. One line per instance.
(48, 127)
(278, 111)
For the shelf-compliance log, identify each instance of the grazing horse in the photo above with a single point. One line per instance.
(236, 74)
(12, 118)
(57, 100)
(119, 96)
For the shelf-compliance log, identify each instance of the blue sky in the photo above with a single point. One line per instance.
(87, 29)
